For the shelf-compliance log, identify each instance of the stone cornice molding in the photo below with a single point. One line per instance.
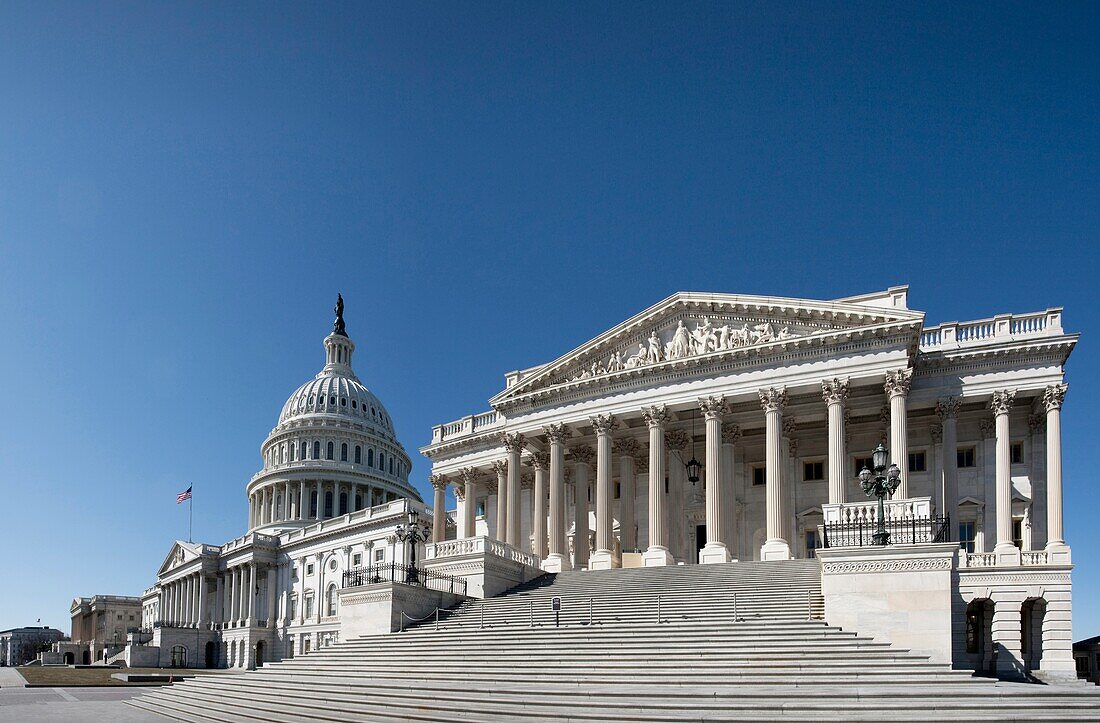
(835, 391)
(557, 432)
(604, 423)
(656, 416)
(773, 399)
(947, 408)
(918, 564)
(512, 442)
(714, 407)
(731, 433)
(898, 382)
(1054, 396)
(625, 447)
(1002, 401)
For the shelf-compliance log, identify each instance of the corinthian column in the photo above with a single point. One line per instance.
(604, 557)
(731, 433)
(469, 509)
(557, 560)
(513, 445)
(500, 467)
(1001, 405)
(626, 448)
(897, 388)
(948, 411)
(1053, 396)
(835, 393)
(657, 555)
(582, 458)
(541, 462)
(439, 507)
(716, 549)
(773, 401)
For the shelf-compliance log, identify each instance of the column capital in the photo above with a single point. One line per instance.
(558, 432)
(625, 447)
(835, 391)
(581, 454)
(500, 466)
(469, 474)
(490, 486)
(539, 460)
(460, 491)
(986, 428)
(1054, 395)
(677, 439)
(604, 423)
(898, 382)
(439, 481)
(947, 408)
(656, 416)
(1001, 402)
(512, 442)
(714, 407)
(788, 427)
(773, 399)
(731, 433)
(936, 430)
(526, 480)
(1036, 423)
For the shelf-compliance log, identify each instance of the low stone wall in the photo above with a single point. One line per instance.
(900, 594)
(384, 607)
(488, 566)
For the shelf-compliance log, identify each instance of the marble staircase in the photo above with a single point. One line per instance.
(740, 641)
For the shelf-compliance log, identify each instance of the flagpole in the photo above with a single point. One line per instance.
(190, 511)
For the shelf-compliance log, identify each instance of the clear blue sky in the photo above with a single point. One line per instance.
(184, 187)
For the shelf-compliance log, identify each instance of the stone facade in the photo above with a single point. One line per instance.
(19, 646)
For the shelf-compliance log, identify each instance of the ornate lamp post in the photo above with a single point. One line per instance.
(412, 532)
(693, 465)
(880, 484)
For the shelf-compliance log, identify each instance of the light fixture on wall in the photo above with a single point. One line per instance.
(693, 465)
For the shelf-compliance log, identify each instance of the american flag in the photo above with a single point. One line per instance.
(183, 496)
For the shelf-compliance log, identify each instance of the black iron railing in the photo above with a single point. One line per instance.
(407, 574)
(903, 531)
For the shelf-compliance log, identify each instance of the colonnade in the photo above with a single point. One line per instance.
(293, 500)
(185, 602)
(549, 526)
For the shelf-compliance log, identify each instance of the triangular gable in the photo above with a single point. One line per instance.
(691, 328)
(180, 553)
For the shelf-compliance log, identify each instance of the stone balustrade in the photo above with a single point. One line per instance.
(476, 546)
(468, 426)
(866, 511)
(1003, 327)
(1028, 558)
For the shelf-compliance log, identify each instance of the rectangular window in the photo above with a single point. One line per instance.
(813, 471)
(309, 606)
(357, 559)
(481, 508)
(862, 463)
(1018, 533)
(293, 607)
(967, 532)
(380, 555)
(812, 543)
(917, 462)
(309, 569)
(759, 476)
(1016, 451)
(965, 458)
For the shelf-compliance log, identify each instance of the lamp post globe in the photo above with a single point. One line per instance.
(881, 484)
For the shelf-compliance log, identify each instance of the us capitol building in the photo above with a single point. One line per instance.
(708, 428)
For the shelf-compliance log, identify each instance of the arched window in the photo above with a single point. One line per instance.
(330, 601)
(343, 401)
(293, 449)
(391, 465)
(381, 461)
(354, 405)
(344, 452)
(358, 502)
(370, 457)
(358, 454)
(330, 450)
(344, 503)
(304, 448)
(321, 400)
(328, 504)
(317, 450)
(313, 503)
(332, 399)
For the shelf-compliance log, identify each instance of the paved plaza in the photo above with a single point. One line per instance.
(72, 705)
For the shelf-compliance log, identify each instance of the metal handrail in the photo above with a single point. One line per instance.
(903, 531)
(419, 620)
(406, 574)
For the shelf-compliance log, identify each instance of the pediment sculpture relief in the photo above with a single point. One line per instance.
(705, 338)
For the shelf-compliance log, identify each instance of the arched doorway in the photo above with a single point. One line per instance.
(979, 635)
(179, 657)
(211, 654)
(86, 657)
(260, 654)
(70, 659)
(1032, 614)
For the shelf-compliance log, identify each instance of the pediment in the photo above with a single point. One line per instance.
(181, 553)
(695, 329)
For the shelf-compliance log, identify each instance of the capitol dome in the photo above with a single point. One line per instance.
(333, 451)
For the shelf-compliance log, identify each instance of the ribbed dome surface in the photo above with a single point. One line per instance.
(337, 394)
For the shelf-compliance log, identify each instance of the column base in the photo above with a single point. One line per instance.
(776, 549)
(657, 556)
(556, 562)
(1058, 553)
(604, 560)
(714, 552)
(1007, 555)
